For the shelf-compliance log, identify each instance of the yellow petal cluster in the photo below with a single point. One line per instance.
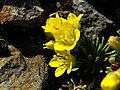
(63, 61)
(65, 31)
(66, 34)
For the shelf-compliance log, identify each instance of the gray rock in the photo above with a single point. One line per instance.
(21, 73)
(22, 10)
(23, 69)
(3, 48)
(27, 10)
(92, 22)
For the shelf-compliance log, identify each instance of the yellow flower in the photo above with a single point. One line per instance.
(74, 20)
(54, 25)
(63, 61)
(65, 31)
(68, 38)
(111, 81)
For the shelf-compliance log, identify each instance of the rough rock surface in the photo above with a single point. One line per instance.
(21, 73)
(22, 58)
(92, 22)
(9, 13)
(22, 62)
(21, 11)
(109, 8)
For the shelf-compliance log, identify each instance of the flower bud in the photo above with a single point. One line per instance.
(114, 42)
(111, 81)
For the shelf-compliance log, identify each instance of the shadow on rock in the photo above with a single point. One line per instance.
(109, 8)
(25, 37)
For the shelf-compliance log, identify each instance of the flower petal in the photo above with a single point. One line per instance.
(63, 53)
(70, 68)
(80, 16)
(74, 20)
(77, 36)
(71, 18)
(57, 15)
(60, 70)
(56, 61)
(59, 46)
(49, 45)
(43, 27)
(51, 25)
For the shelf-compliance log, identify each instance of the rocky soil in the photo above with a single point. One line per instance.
(23, 61)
